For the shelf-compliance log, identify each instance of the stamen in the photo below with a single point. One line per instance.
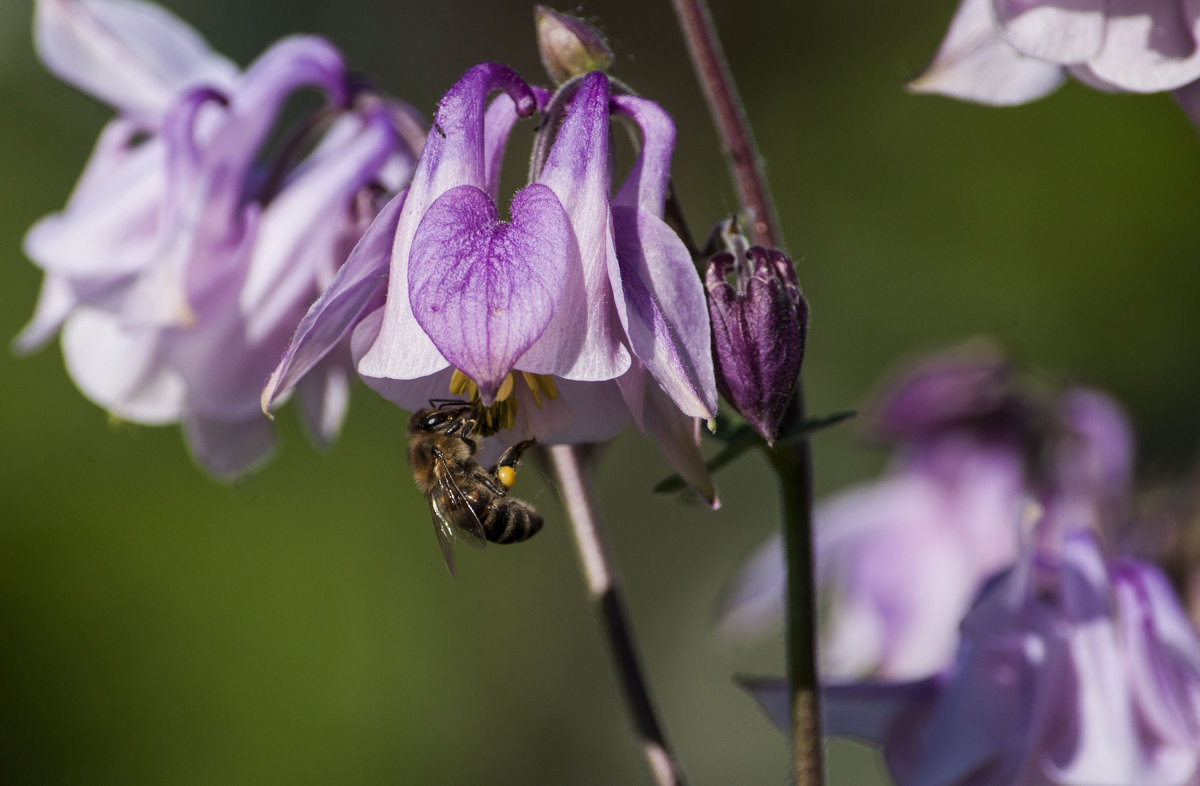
(460, 383)
(506, 388)
(502, 413)
(531, 383)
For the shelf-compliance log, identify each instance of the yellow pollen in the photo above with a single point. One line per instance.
(507, 475)
(501, 414)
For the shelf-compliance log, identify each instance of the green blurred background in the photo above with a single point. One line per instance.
(299, 627)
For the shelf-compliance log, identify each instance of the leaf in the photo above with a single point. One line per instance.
(741, 438)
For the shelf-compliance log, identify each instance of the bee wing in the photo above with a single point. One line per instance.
(453, 517)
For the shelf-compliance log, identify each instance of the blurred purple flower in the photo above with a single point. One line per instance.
(1070, 670)
(555, 319)
(899, 560)
(1013, 51)
(759, 325)
(181, 264)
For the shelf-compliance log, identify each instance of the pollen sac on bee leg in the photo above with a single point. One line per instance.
(759, 325)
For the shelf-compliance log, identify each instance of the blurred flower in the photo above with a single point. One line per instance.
(1068, 668)
(1010, 52)
(899, 560)
(1070, 672)
(759, 322)
(553, 320)
(182, 263)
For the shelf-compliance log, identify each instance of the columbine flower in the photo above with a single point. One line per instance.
(181, 265)
(1009, 52)
(553, 320)
(1070, 672)
(899, 560)
(759, 324)
(1070, 668)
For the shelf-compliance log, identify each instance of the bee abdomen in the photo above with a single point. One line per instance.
(511, 521)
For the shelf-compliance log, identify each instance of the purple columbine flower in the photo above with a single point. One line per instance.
(1012, 51)
(181, 264)
(900, 559)
(554, 319)
(1069, 668)
(759, 325)
(1070, 672)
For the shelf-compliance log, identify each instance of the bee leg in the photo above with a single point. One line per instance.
(490, 480)
(512, 456)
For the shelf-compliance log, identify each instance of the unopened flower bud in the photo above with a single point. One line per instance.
(759, 324)
(569, 46)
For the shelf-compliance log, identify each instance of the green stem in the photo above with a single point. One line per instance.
(793, 461)
(793, 466)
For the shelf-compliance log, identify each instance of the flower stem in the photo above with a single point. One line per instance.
(793, 466)
(745, 165)
(604, 589)
(792, 462)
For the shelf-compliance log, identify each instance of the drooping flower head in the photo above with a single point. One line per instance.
(554, 319)
(1067, 666)
(899, 559)
(182, 262)
(1009, 51)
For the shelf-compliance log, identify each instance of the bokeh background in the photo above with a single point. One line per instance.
(299, 627)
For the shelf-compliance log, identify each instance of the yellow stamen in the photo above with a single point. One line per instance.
(531, 383)
(506, 388)
(546, 383)
(502, 413)
(460, 383)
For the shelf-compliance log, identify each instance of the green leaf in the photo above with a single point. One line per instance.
(741, 438)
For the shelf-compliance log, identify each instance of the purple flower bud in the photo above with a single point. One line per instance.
(759, 325)
(569, 46)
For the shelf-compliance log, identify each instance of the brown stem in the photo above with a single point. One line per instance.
(745, 166)
(604, 589)
(793, 462)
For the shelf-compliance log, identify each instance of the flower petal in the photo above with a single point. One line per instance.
(324, 397)
(661, 304)
(482, 290)
(645, 186)
(583, 341)
(123, 370)
(454, 155)
(358, 284)
(1162, 649)
(1149, 45)
(228, 449)
(300, 229)
(134, 56)
(1061, 31)
(110, 224)
(678, 437)
(975, 63)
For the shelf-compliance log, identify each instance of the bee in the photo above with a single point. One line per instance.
(466, 502)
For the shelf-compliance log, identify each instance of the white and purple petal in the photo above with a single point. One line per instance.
(455, 153)
(1060, 31)
(356, 291)
(583, 341)
(484, 291)
(976, 63)
(132, 55)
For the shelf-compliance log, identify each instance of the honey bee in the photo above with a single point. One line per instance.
(467, 502)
